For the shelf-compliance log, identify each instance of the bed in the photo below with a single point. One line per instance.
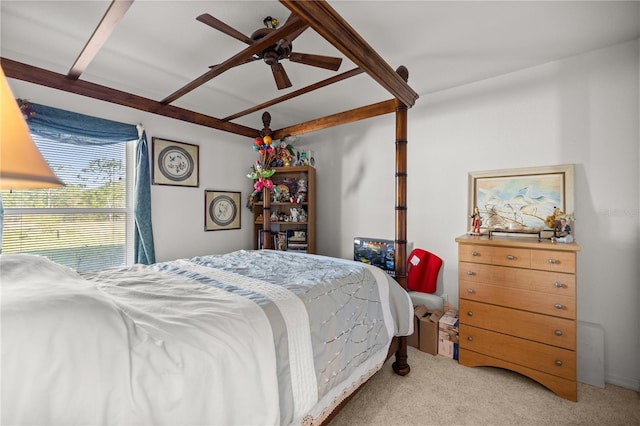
(248, 337)
(152, 389)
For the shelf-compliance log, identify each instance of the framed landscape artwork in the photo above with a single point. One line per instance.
(175, 163)
(520, 199)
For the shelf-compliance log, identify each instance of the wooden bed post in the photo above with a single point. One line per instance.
(401, 187)
(267, 242)
(400, 366)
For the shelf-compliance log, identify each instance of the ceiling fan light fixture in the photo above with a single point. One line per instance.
(270, 56)
(270, 22)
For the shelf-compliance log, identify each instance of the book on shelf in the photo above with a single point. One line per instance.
(297, 246)
(300, 250)
(298, 236)
(285, 240)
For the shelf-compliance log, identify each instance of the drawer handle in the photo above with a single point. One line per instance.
(558, 284)
(510, 257)
(469, 273)
(470, 313)
(470, 338)
(553, 261)
(559, 363)
(558, 332)
(474, 253)
(558, 306)
(470, 290)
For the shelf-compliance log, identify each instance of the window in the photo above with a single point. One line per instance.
(87, 224)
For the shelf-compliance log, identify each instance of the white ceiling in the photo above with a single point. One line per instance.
(158, 47)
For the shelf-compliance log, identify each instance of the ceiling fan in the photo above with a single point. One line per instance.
(273, 54)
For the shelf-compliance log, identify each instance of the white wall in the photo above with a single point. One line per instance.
(177, 212)
(582, 110)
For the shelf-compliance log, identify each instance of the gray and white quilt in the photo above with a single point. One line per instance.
(245, 338)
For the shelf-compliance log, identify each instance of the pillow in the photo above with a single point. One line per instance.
(16, 267)
(423, 268)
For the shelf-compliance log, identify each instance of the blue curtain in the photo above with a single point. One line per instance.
(143, 237)
(80, 129)
(72, 127)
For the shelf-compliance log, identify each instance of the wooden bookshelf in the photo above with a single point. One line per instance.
(291, 214)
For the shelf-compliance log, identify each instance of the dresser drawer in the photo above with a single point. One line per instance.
(526, 279)
(551, 260)
(512, 257)
(549, 359)
(540, 328)
(506, 256)
(531, 301)
(475, 253)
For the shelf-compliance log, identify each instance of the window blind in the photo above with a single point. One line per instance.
(83, 224)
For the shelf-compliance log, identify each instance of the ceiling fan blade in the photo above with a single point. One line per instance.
(296, 33)
(205, 18)
(111, 18)
(280, 75)
(326, 62)
(236, 59)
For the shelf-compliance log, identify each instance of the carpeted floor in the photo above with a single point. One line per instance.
(439, 391)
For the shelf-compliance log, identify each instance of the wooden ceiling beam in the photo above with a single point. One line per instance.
(42, 77)
(333, 28)
(111, 18)
(350, 116)
(316, 14)
(296, 93)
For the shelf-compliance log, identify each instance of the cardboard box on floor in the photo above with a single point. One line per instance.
(448, 334)
(425, 329)
(449, 321)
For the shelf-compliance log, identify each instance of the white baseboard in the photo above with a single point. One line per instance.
(623, 382)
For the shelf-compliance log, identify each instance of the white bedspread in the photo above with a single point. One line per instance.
(181, 342)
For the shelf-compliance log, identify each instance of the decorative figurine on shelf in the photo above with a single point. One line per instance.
(302, 159)
(563, 232)
(282, 241)
(284, 154)
(302, 215)
(295, 214)
(281, 193)
(559, 222)
(476, 221)
(564, 228)
(301, 194)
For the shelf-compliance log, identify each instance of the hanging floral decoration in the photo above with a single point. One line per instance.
(26, 109)
(261, 170)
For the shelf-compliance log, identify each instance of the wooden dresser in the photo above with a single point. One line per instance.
(517, 303)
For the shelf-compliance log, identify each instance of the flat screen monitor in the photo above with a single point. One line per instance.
(375, 251)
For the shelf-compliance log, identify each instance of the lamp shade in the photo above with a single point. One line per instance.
(21, 164)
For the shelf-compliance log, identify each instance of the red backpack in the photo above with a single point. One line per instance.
(423, 268)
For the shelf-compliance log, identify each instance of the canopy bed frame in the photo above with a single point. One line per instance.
(323, 19)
